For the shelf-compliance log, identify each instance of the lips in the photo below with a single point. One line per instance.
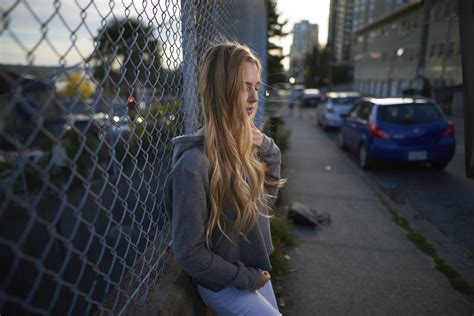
(250, 110)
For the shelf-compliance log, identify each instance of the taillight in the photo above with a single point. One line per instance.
(449, 130)
(376, 131)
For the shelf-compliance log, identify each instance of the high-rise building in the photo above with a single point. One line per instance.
(366, 11)
(346, 16)
(340, 30)
(305, 38)
(389, 54)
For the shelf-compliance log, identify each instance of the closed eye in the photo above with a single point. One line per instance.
(249, 87)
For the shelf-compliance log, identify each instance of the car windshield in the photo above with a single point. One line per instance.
(410, 113)
(345, 100)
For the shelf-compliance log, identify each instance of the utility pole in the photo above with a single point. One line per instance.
(190, 69)
(466, 29)
(420, 67)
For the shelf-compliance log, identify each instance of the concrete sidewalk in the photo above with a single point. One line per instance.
(362, 263)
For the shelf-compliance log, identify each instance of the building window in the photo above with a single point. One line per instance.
(438, 12)
(450, 49)
(393, 87)
(447, 10)
(440, 49)
(432, 50)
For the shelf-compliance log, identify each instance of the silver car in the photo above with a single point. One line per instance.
(336, 104)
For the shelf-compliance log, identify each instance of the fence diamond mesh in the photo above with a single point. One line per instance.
(91, 94)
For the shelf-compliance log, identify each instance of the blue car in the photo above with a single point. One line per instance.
(398, 129)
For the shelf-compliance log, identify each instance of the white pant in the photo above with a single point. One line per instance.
(231, 301)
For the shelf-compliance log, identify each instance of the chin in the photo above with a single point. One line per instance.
(252, 114)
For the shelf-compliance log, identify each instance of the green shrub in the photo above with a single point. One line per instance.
(282, 237)
(281, 227)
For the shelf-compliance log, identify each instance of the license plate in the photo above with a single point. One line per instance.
(417, 155)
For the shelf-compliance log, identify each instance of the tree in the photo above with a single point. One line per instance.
(76, 84)
(127, 57)
(276, 73)
(311, 67)
(316, 65)
(324, 66)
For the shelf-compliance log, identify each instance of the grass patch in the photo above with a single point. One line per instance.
(281, 227)
(454, 278)
(421, 243)
(282, 238)
(282, 198)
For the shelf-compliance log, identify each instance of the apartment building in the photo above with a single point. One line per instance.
(305, 37)
(390, 52)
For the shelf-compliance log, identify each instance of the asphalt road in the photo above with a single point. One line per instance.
(443, 198)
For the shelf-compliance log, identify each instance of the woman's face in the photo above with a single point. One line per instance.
(249, 95)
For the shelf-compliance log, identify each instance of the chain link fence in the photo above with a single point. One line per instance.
(91, 94)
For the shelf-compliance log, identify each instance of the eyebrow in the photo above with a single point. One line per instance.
(249, 83)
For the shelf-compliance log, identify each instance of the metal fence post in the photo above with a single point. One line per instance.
(190, 69)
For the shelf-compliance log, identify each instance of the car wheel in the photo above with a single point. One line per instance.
(439, 165)
(340, 140)
(364, 162)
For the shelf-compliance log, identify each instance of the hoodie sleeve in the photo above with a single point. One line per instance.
(189, 219)
(270, 154)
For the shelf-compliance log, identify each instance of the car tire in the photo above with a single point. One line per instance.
(340, 140)
(364, 161)
(439, 165)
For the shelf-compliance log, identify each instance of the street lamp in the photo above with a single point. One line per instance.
(292, 80)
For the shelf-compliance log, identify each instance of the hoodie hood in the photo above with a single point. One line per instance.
(185, 142)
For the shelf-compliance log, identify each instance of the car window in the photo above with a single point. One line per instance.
(364, 111)
(346, 100)
(410, 113)
(355, 110)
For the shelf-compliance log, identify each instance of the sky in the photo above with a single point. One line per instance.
(315, 11)
(70, 29)
(24, 33)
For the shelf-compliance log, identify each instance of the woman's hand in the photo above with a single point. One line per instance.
(264, 279)
(257, 136)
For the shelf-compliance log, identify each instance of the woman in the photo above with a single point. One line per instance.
(223, 181)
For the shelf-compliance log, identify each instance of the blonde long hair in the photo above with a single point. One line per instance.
(238, 176)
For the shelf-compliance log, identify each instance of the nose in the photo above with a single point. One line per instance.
(253, 96)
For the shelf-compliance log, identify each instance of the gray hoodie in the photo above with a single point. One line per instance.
(228, 263)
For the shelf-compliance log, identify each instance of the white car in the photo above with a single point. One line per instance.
(311, 97)
(336, 104)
